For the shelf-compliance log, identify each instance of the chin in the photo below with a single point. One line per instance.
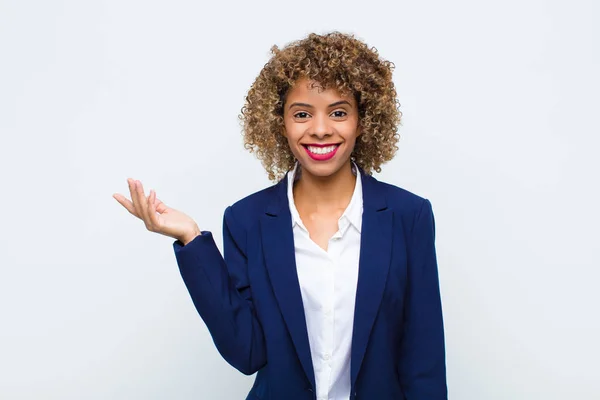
(323, 169)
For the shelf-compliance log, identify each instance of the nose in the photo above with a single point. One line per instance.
(321, 127)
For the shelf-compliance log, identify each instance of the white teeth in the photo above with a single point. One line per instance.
(321, 150)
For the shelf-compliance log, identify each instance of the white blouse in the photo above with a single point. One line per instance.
(328, 285)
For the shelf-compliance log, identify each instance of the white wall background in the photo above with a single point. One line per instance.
(500, 131)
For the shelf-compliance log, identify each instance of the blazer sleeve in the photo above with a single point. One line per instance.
(422, 365)
(220, 290)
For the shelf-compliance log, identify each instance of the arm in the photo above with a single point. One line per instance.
(220, 291)
(422, 366)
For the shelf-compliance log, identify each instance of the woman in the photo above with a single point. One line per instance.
(328, 285)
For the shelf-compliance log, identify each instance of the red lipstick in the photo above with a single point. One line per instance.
(321, 156)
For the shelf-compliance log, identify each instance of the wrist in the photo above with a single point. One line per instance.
(190, 236)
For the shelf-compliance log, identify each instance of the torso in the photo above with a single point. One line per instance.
(321, 227)
(321, 224)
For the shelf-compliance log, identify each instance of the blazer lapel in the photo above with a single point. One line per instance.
(280, 259)
(374, 263)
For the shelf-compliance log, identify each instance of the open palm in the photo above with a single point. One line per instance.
(156, 215)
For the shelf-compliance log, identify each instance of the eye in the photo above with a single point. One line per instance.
(338, 113)
(297, 115)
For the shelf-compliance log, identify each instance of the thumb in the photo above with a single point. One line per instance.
(160, 206)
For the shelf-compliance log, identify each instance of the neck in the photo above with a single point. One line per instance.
(325, 193)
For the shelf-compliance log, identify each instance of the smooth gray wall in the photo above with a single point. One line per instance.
(500, 131)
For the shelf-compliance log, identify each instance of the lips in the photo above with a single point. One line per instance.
(321, 152)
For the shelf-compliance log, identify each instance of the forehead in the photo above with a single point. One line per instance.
(305, 87)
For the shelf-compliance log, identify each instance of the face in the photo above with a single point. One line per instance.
(321, 127)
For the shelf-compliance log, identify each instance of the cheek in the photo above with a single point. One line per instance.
(351, 135)
(292, 138)
(351, 129)
(292, 133)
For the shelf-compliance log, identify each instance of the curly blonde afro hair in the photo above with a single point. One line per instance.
(334, 60)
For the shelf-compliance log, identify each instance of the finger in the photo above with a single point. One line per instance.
(152, 208)
(146, 209)
(142, 201)
(160, 207)
(124, 201)
(134, 199)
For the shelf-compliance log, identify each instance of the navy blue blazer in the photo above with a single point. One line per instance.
(251, 302)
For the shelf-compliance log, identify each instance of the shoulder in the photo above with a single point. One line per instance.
(407, 205)
(400, 198)
(247, 211)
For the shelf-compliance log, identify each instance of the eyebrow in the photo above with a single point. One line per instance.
(337, 103)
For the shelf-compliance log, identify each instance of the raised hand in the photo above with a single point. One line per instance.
(156, 215)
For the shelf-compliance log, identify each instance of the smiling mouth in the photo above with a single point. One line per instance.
(321, 149)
